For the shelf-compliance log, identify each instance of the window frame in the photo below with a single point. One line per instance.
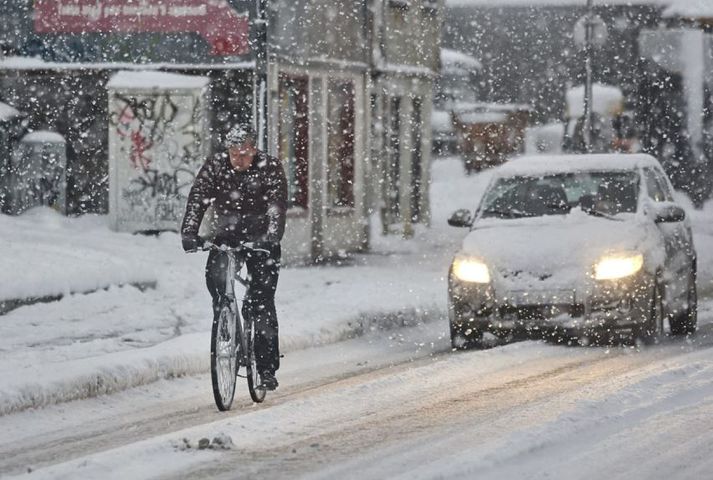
(341, 164)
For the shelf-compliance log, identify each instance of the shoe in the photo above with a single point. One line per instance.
(269, 382)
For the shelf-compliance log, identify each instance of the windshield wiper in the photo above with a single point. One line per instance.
(596, 213)
(514, 213)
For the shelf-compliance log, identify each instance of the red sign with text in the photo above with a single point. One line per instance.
(215, 20)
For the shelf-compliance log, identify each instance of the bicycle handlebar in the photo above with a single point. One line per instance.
(253, 246)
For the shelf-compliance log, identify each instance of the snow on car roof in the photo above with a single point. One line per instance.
(544, 164)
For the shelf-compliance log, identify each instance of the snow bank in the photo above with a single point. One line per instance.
(47, 254)
(82, 378)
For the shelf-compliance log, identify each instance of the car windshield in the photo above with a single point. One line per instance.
(599, 193)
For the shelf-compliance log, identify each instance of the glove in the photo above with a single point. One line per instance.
(192, 243)
(264, 244)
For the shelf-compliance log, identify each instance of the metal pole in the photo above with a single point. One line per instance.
(260, 110)
(588, 33)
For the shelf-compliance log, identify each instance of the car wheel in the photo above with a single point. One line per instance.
(464, 337)
(649, 331)
(686, 322)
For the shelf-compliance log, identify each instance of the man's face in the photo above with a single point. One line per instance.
(241, 156)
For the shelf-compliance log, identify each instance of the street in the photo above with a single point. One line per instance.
(401, 404)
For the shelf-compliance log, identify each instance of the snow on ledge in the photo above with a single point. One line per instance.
(35, 63)
(151, 80)
(455, 59)
(402, 69)
(7, 112)
(43, 136)
(689, 9)
(606, 100)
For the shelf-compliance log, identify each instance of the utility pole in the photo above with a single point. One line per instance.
(260, 81)
(588, 33)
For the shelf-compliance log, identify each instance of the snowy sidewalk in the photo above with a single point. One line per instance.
(119, 337)
(46, 255)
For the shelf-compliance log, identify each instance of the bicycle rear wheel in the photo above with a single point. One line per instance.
(223, 357)
(257, 393)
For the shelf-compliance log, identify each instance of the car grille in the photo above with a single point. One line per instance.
(541, 312)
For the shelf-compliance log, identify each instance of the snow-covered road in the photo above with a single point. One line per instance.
(401, 404)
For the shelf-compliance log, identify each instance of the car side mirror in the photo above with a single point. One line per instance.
(670, 214)
(460, 218)
(587, 202)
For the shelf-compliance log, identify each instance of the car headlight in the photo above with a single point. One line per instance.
(471, 270)
(612, 267)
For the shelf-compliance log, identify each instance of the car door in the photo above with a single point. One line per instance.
(677, 236)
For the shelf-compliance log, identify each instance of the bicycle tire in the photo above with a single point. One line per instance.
(222, 378)
(257, 393)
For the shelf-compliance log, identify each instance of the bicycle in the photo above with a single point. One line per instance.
(232, 340)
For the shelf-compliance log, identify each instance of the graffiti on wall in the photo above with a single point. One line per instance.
(160, 148)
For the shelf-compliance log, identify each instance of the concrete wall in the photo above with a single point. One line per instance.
(412, 32)
(314, 30)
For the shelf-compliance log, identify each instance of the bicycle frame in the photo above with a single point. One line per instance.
(244, 334)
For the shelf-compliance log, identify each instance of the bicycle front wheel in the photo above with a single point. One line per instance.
(257, 393)
(223, 357)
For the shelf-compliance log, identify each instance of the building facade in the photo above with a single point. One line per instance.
(351, 90)
(349, 94)
(405, 39)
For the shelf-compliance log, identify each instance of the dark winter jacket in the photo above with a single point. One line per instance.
(248, 206)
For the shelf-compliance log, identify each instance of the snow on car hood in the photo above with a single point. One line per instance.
(557, 249)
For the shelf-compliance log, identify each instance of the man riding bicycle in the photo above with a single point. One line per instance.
(248, 191)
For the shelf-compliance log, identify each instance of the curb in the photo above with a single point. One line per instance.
(6, 306)
(149, 366)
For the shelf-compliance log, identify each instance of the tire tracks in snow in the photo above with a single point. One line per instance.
(477, 401)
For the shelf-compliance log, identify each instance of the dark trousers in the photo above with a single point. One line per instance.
(259, 302)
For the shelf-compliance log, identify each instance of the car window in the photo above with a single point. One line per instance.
(609, 193)
(663, 183)
(656, 189)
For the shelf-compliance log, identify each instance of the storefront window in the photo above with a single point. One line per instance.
(294, 131)
(340, 128)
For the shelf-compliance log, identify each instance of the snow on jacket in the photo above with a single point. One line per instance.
(248, 206)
